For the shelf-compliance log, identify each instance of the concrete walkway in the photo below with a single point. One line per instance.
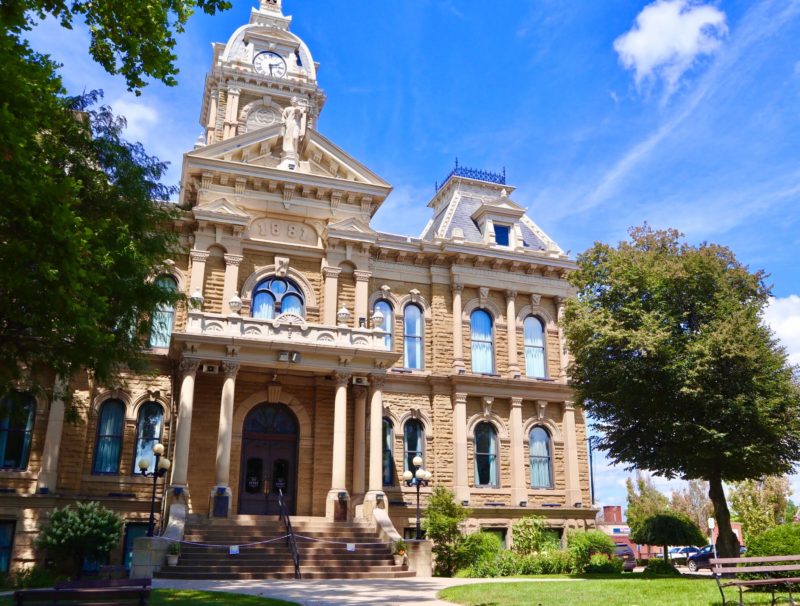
(343, 592)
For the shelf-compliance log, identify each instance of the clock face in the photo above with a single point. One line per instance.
(270, 64)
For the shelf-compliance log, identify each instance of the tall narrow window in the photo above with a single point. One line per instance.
(108, 445)
(163, 316)
(383, 306)
(6, 541)
(388, 455)
(486, 455)
(502, 234)
(413, 442)
(482, 342)
(534, 347)
(541, 461)
(412, 336)
(148, 433)
(17, 412)
(274, 296)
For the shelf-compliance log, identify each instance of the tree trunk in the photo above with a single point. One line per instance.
(727, 543)
(666, 554)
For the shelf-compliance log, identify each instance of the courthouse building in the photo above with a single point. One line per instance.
(315, 353)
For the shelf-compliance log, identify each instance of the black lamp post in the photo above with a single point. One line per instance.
(591, 440)
(161, 467)
(419, 477)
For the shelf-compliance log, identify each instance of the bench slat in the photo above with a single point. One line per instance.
(97, 595)
(755, 569)
(104, 583)
(754, 559)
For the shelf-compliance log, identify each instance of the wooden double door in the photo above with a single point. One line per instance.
(269, 460)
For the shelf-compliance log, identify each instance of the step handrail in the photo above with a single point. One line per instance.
(291, 542)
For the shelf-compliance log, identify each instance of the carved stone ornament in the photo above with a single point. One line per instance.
(414, 293)
(153, 393)
(274, 390)
(235, 303)
(541, 406)
(416, 413)
(231, 369)
(262, 118)
(385, 290)
(484, 296)
(535, 300)
(189, 366)
(342, 378)
(377, 382)
(487, 406)
(281, 266)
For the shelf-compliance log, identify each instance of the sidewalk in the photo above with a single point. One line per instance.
(346, 592)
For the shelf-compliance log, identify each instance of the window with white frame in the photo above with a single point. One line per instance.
(482, 337)
(533, 329)
(541, 458)
(412, 336)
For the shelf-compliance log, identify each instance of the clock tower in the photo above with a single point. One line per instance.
(264, 75)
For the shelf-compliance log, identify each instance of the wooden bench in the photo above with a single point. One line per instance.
(99, 592)
(726, 571)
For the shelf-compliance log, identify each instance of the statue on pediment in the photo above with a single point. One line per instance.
(294, 128)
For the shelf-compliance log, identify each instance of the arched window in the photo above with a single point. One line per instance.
(383, 306)
(148, 433)
(480, 323)
(274, 296)
(541, 458)
(534, 347)
(412, 336)
(413, 443)
(388, 455)
(108, 444)
(163, 319)
(486, 468)
(17, 411)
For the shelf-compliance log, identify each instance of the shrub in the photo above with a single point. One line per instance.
(502, 564)
(778, 540)
(443, 518)
(86, 530)
(583, 545)
(668, 528)
(558, 561)
(174, 548)
(658, 567)
(602, 563)
(531, 535)
(476, 547)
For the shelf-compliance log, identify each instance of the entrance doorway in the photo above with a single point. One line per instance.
(269, 460)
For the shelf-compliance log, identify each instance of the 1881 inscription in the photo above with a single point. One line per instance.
(280, 230)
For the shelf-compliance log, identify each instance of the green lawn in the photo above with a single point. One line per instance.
(630, 590)
(168, 597)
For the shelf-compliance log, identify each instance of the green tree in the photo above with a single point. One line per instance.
(442, 524)
(531, 535)
(80, 234)
(134, 39)
(672, 360)
(693, 502)
(760, 504)
(644, 500)
(668, 528)
(87, 530)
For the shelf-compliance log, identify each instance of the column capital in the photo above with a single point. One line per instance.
(331, 272)
(362, 275)
(511, 295)
(569, 406)
(459, 397)
(199, 255)
(189, 366)
(342, 378)
(234, 90)
(231, 259)
(231, 369)
(458, 287)
(377, 382)
(516, 402)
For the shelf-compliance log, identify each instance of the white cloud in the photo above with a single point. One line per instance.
(141, 118)
(667, 38)
(783, 316)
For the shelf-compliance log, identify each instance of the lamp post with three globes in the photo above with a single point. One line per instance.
(161, 467)
(419, 477)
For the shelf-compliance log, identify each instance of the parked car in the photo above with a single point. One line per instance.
(682, 553)
(702, 558)
(625, 553)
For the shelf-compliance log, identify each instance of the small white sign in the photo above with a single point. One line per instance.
(711, 523)
(233, 550)
(351, 547)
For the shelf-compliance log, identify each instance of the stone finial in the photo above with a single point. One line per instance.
(271, 5)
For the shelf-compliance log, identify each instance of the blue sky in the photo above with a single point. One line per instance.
(683, 114)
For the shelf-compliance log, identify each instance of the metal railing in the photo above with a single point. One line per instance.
(291, 543)
(474, 173)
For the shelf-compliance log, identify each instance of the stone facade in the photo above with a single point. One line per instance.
(268, 202)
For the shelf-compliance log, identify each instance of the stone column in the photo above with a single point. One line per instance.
(331, 276)
(375, 491)
(198, 270)
(48, 476)
(460, 471)
(225, 436)
(183, 431)
(573, 484)
(211, 123)
(231, 281)
(362, 297)
(458, 339)
(337, 508)
(519, 483)
(231, 114)
(511, 320)
(359, 442)
(563, 355)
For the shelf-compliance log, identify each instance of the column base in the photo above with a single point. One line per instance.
(177, 494)
(574, 498)
(459, 368)
(337, 505)
(518, 497)
(46, 483)
(462, 495)
(374, 499)
(219, 502)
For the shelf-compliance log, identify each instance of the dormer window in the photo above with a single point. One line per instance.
(502, 235)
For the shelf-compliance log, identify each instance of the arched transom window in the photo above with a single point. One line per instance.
(274, 296)
(486, 461)
(534, 347)
(541, 458)
(482, 338)
(148, 433)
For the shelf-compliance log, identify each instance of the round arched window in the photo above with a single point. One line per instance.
(274, 296)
